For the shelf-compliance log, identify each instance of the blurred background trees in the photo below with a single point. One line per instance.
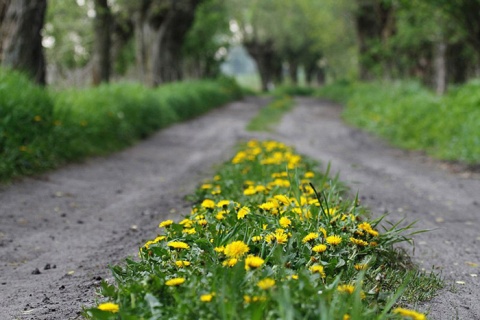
(297, 42)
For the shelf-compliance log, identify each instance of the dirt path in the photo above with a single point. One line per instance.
(83, 217)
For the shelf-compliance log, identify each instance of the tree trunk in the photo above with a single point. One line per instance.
(21, 39)
(102, 43)
(140, 29)
(170, 24)
(264, 56)
(440, 65)
(293, 71)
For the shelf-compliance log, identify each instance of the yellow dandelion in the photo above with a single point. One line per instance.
(266, 283)
(219, 249)
(186, 223)
(207, 297)
(206, 186)
(319, 248)
(280, 236)
(182, 263)
(202, 222)
(178, 245)
(208, 204)
(334, 240)
(323, 231)
(310, 237)
(294, 276)
(109, 307)
(414, 315)
(230, 262)
(285, 222)
(174, 282)
(249, 191)
(236, 249)
(359, 242)
(165, 224)
(267, 206)
(223, 203)
(189, 231)
(37, 118)
(346, 316)
(243, 212)
(347, 288)
(257, 238)
(316, 268)
(282, 199)
(360, 266)
(309, 175)
(253, 262)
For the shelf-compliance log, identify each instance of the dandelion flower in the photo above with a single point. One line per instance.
(360, 266)
(109, 307)
(178, 245)
(309, 237)
(319, 248)
(219, 249)
(182, 263)
(230, 262)
(165, 224)
(174, 282)
(414, 315)
(243, 212)
(285, 222)
(359, 242)
(253, 262)
(316, 268)
(223, 203)
(189, 231)
(347, 288)
(334, 240)
(257, 238)
(208, 204)
(236, 249)
(266, 283)
(207, 297)
(294, 276)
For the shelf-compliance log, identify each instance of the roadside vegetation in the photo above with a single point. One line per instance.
(41, 129)
(270, 115)
(270, 237)
(410, 116)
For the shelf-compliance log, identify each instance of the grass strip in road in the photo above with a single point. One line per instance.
(269, 237)
(271, 115)
(412, 117)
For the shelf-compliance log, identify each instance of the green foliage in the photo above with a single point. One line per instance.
(40, 130)
(271, 114)
(261, 243)
(412, 117)
(26, 124)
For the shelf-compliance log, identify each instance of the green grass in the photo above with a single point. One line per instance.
(412, 117)
(269, 237)
(271, 115)
(40, 130)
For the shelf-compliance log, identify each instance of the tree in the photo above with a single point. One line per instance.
(102, 42)
(21, 39)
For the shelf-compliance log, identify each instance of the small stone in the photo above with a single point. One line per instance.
(47, 267)
(36, 271)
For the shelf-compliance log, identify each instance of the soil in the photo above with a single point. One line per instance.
(60, 232)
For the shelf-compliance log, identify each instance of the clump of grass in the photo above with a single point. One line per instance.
(270, 115)
(412, 117)
(41, 129)
(269, 237)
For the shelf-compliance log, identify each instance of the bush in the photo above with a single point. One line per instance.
(412, 117)
(40, 130)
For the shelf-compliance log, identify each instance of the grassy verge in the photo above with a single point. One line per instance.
(269, 237)
(414, 118)
(40, 130)
(271, 115)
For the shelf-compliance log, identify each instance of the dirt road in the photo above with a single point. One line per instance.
(59, 232)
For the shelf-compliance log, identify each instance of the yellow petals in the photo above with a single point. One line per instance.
(165, 224)
(175, 282)
(334, 240)
(178, 245)
(319, 248)
(316, 268)
(285, 222)
(309, 237)
(266, 283)
(236, 249)
(253, 262)
(208, 204)
(414, 315)
(230, 262)
(109, 307)
(207, 297)
(243, 212)
(182, 263)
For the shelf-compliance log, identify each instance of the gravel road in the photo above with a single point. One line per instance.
(60, 231)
